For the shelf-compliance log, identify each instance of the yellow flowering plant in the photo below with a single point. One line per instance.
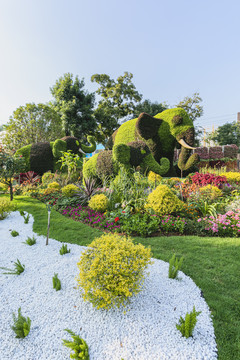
(111, 270)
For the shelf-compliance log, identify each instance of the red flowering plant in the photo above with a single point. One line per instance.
(205, 179)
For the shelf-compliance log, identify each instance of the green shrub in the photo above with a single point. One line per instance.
(79, 346)
(30, 241)
(26, 218)
(14, 233)
(54, 185)
(47, 178)
(64, 250)
(19, 268)
(112, 270)
(163, 201)
(56, 282)
(98, 203)
(174, 266)
(21, 325)
(187, 325)
(5, 208)
(70, 190)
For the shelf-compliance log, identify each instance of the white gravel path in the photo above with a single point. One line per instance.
(146, 332)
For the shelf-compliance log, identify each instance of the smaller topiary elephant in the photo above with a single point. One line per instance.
(134, 154)
(42, 157)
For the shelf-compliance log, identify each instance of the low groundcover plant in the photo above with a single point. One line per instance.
(21, 325)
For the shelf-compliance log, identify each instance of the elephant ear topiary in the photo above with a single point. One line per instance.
(59, 145)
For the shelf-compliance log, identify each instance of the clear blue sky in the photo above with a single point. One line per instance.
(173, 48)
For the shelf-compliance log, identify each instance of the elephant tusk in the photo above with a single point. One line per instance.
(80, 150)
(184, 144)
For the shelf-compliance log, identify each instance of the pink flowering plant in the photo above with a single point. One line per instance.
(227, 224)
(171, 224)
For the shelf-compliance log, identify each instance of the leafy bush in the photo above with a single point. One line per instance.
(19, 268)
(154, 179)
(137, 224)
(210, 192)
(14, 233)
(232, 177)
(47, 178)
(69, 190)
(163, 201)
(56, 282)
(174, 266)
(21, 325)
(79, 346)
(205, 179)
(30, 241)
(112, 270)
(187, 325)
(99, 203)
(5, 208)
(54, 185)
(50, 191)
(64, 250)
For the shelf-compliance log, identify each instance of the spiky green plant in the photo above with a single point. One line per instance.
(14, 233)
(30, 241)
(19, 268)
(78, 346)
(187, 325)
(64, 250)
(22, 213)
(26, 218)
(21, 325)
(174, 266)
(56, 282)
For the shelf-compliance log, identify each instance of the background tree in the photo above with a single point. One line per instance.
(151, 108)
(10, 167)
(30, 124)
(74, 105)
(227, 134)
(118, 99)
(192, 105)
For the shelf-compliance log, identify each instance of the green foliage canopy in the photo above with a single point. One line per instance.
(227, 134)
(151, 108)
(32, 123)
(74, 105)
(118, 100)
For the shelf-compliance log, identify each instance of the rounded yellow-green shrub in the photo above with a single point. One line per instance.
(163, 201)
(54, 185)
(111, 270)
(98, 203)
(3, 187)
(6, 206)
(49, 191)
(210, 192)
(232, 177)
(47, 177)
(70, 190)
(154, 178)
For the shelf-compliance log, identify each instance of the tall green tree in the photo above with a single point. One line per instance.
(74, 105)
(227, 134)
(151, 108)
(30, 124)
(192, 105)
(118, 100)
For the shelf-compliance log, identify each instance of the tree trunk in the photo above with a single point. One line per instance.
(11, 190)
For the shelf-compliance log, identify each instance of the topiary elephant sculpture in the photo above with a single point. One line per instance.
(161, 133)
(42, 157)
(134, 154)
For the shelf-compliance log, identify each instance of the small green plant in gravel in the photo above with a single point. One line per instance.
(56, 282)
(64, 250)
(30, 241)
(19, 268)
(26, 218)
(21, 325)
(14, 233)
(78, 346)
(187, 325)
(174, 266)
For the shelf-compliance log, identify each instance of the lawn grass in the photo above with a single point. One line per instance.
(212, 262)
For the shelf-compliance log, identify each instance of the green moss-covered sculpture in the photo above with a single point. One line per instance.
(134, 154)
(42, 157)
(161, 133)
